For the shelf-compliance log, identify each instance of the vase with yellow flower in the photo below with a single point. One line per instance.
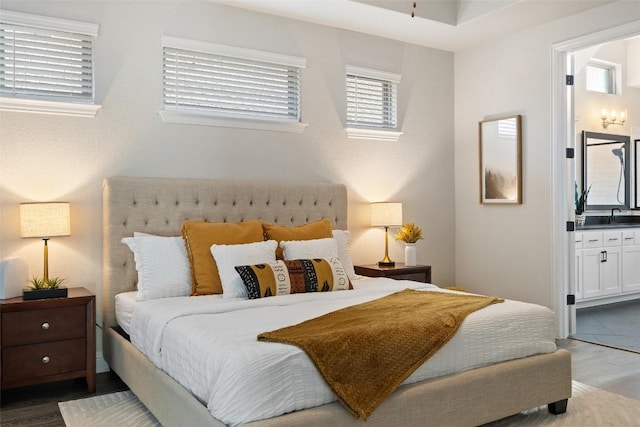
(410, 233)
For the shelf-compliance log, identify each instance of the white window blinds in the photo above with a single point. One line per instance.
(42, 63)
(205, 80)
(371, 98)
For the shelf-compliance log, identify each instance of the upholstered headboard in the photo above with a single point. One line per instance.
(160, 205)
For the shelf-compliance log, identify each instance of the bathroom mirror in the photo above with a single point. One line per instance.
(605, 170)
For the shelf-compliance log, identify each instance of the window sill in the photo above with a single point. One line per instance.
(48, 107)
(197, 118)
(373, 134)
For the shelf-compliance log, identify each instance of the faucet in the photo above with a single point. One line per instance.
(612, 218)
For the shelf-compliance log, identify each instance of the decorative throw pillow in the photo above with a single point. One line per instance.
(344, 255)
(315, 248)
(162, 266)
(293, 276)
(313, 230)
(229, 256)
(198, 238)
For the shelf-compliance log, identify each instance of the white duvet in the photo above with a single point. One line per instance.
(209, 345)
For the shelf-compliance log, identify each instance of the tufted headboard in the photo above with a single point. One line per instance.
(160, 205)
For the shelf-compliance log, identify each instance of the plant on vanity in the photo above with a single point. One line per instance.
(581, 203)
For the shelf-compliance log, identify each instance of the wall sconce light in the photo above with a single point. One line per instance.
(386, 215)
(611, 117)
(45, 220)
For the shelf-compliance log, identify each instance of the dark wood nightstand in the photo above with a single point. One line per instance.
(419, 273)
(49, 340)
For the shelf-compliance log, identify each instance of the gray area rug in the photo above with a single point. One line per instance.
(589, 407)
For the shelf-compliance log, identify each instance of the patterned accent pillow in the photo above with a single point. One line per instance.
(293, 277)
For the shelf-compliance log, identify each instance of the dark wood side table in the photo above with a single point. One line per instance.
(49, 340)
(419, 273)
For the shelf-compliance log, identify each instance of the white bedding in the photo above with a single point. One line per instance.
(209, 345)
(125, 304)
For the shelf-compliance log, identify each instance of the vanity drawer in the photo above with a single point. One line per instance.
(592, 240)
(612, 238)
(40, 360)
(578, 238)
(629, 237)
(34, 326)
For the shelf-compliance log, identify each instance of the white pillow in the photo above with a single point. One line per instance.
(230, 256)
(162, 265)
(342, 237)
(336, 247)
(308, 249)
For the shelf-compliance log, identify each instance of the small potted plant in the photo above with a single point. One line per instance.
(410, 234)
(45, 288)
(581, 203)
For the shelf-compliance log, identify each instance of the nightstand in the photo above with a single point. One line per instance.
(419, 273)
(48, 340)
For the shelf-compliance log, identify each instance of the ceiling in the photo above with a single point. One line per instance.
(451, 25)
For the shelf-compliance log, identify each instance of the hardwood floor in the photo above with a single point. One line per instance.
(610, 369)
(38, 405)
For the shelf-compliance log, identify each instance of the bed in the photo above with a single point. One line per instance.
(159, 206)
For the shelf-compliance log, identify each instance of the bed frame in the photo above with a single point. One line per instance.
(160, 205)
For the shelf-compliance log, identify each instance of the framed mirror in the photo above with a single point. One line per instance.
(501, 160)
(605, 170)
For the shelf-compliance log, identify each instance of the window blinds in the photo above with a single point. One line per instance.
(230, 86)
(371, 102)
(45, 64)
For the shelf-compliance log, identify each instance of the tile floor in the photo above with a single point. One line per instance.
(616, 324)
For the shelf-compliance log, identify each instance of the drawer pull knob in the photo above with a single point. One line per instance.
(45, 325)
(45, 359)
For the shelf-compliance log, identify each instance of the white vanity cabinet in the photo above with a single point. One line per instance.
(631, 261)
(607, 263)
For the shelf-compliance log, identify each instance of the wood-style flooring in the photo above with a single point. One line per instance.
(617, 371)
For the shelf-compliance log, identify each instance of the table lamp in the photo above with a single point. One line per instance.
(386, 215)
(45, 220)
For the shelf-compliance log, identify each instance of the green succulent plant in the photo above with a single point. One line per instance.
(581, 199)
(50, 283)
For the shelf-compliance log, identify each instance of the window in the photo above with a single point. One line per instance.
(225, 86)
(372, 99)
(46, 64)
(602, 77)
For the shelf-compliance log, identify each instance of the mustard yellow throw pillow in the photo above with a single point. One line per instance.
(294, 277)
(314, 230)
(199, 236)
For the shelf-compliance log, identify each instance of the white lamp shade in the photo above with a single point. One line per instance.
(386, 214)
(45, 219)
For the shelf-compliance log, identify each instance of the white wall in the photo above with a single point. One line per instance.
(506, 250)
(47, 157)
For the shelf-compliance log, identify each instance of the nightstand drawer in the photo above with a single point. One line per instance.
(27, 327)
(38, 360)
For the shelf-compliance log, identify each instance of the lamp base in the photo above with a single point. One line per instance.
(386, 264)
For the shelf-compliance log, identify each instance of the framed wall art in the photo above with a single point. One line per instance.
(500, 143)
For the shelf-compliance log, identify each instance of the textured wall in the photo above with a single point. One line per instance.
(47, 157)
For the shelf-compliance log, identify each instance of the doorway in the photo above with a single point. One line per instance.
(565, 131)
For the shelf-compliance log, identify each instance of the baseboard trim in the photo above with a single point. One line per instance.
(101, 364)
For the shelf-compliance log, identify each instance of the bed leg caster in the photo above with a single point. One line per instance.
(559, 407)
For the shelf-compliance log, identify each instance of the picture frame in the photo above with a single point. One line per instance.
(500, 156)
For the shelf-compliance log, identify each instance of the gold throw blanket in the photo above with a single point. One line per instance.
(365, 351)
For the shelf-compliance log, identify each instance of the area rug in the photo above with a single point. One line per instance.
(589, 407)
